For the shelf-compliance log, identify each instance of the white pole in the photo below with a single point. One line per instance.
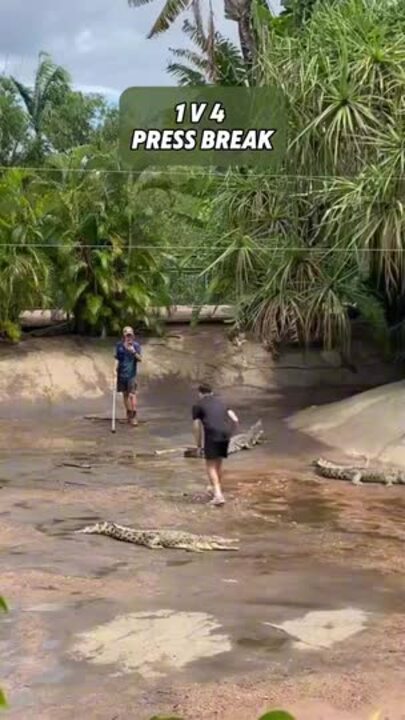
(114, 403)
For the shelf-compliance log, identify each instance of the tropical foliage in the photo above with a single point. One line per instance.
(75, 231)
(299, 253)
(3, 699)
(216, 60)
(327, 234)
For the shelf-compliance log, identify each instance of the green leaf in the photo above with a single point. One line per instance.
(277, 715)
(3, 604)
(94, 304)
(11, 330)
(3, 700)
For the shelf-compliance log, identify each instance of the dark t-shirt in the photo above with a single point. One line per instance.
(214, 416)
(127, 362)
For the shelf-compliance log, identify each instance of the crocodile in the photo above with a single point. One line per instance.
(358, 474)
(242, 441)
(158, 539)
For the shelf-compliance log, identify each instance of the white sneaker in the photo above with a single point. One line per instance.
(218, 500)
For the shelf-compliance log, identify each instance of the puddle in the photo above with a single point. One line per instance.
(110, 569)
(323, 628)
(152, 644)
(308, 511)
(269, 644)
(46, 607)
(55, 676)
(50, 645)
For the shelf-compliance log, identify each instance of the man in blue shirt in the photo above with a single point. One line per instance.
(128, 355)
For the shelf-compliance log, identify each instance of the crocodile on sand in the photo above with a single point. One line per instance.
(157, 539)
(242, 441)
(357, 474)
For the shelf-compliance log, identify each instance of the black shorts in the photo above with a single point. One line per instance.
(215, 449)
(127, 386)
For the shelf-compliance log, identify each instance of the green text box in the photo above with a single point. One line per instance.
(258, 110)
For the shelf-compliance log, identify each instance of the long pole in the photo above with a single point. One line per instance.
(114, 404)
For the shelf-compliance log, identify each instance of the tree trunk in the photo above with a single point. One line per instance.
(240, 11)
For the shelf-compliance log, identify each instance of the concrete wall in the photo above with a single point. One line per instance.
(61, 368)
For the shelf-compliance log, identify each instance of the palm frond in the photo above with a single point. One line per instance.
(169, 14)
(25, 93)
(186, 76)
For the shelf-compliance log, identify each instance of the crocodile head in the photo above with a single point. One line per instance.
(96, 529)
(257, 430)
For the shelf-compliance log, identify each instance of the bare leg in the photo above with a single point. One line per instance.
(220, 475)
(132, 401)
(220, 468)
(127, 406)
(214, 478)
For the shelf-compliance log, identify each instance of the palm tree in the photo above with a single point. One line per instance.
(102, 276)
(25, 270)
(51, 84)
(215, 61)
(13, 124)
(238, 10)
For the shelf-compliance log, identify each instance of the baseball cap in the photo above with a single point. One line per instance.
(128, 331)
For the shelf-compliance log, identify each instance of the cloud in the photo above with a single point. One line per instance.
(102, 43)
(110, 93)
(85, 41)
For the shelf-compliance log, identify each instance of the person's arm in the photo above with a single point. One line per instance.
(233, 416)
(198, 433)
(135, 349)
(197, 426)
(116, 362)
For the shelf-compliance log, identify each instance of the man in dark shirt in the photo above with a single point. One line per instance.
(128, 355)
(216, 421)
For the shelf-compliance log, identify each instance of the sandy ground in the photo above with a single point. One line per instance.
(308, 615)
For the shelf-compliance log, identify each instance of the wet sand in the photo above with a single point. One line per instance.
(308, 615)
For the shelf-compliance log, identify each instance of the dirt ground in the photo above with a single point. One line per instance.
(103, 630)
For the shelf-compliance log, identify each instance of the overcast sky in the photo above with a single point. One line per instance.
(102, 43)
